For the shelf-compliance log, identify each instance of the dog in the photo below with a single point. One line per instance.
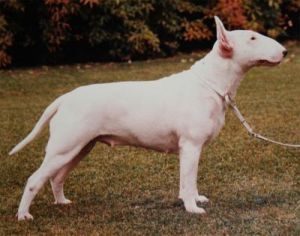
(176, 114)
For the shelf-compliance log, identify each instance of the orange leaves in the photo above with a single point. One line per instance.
(196, 30)
(6, 40)
(5, 59)
(91, 3)
(59, 12)
(118, 29)
(232, 11)
(57, 2)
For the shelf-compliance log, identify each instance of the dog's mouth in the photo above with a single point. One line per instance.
(268, 63)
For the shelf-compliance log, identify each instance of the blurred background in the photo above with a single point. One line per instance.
(34, 32)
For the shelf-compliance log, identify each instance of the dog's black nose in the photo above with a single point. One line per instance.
(285, 52)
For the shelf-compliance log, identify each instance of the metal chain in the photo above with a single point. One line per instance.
(239, 115)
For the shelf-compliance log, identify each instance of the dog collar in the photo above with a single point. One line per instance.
(230, 102)
(224, 95)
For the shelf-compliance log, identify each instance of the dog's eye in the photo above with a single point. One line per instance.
(253, 38)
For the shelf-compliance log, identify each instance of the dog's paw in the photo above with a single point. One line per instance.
(202, 199)
(195, 210)
(63, 202)
(24, 216)
(191, 206)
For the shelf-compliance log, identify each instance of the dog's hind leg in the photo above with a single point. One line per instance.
(57, 181)
(53, 162)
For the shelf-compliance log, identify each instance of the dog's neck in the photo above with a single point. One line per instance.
(222, 73)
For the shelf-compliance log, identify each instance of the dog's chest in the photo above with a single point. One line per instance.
(217, 120)
(218, 123)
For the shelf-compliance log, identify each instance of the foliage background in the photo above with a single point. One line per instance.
(52, 31)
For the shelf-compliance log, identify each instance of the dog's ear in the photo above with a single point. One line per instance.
(225, 46)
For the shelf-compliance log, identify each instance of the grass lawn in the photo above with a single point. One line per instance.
(254, 187)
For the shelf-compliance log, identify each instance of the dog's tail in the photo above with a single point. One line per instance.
(45, 118)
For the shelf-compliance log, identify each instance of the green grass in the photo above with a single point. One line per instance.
(254, 187)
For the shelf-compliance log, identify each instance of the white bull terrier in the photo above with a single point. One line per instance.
(176, 114)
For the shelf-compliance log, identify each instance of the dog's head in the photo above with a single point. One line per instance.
(248, 48)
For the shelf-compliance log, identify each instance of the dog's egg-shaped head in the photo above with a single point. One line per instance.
(247, 47)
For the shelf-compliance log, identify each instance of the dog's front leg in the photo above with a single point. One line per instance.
(189, 159)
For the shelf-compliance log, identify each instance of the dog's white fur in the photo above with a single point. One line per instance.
(176, 114)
